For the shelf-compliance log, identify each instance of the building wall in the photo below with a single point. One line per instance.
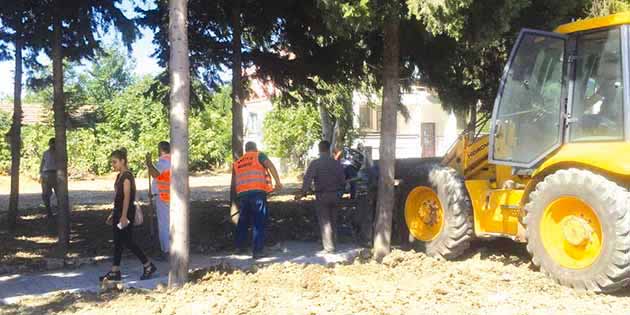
(422, 108)
(253, 116)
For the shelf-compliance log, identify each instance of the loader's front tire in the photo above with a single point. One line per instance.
(437, 210)
(578, 230)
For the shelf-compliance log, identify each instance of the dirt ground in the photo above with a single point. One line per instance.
(33, 242)
(494, 278)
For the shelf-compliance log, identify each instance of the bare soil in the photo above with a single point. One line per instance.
(495, 278)
(34, 240)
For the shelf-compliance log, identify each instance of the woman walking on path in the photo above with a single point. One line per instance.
(122, 218)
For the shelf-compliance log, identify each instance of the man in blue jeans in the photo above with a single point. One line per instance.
(250, 177)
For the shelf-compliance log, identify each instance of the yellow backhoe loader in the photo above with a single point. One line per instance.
(554, 170)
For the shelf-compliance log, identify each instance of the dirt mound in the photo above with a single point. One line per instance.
(407, 282)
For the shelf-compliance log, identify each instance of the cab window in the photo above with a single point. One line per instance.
(527, 123)
(597, 111)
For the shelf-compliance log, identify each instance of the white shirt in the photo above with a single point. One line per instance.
(161, 166)
(48, 162)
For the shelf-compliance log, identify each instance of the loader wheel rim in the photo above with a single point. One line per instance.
(571, 233)
(424, 214)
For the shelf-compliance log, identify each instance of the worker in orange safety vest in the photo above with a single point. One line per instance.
(161, 188)
(251, 180)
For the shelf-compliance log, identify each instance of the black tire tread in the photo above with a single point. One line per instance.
(616, 274)
(458, 230)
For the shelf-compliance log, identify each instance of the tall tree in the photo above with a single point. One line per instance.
(380, 21)
(237, 84)
(179, 68)
(17, 19)
(237, 98)
(286, 42)
(387, 148)
(243, 33)
(74, 24)
(61, 153)
(16, 128)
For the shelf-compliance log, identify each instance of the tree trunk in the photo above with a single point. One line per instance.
(327, 124)
(387, 150)
(179, 67)
(346, 125)
(15, 135)
(472, 122)
(237, 99)
(61, 154)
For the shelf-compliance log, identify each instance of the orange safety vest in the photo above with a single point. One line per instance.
(251, 174)
(164, 182)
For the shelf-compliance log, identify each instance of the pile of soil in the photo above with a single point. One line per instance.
(487, 281)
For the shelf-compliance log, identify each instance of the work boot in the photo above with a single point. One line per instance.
(110, 276)
(148, 272)
(260, 254)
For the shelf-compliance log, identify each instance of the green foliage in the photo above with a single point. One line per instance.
(441, 16)
(109, 76)
(474, 20)
(606, 7)
(5, 152)
(210, 136)
(465, 45)
(138, 123)
(335, 100)
(34, 143)
(133, 121)
(290, 132)
(41, 91)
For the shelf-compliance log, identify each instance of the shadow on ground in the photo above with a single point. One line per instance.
(210, 229)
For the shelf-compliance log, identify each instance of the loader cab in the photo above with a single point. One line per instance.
(568, 86)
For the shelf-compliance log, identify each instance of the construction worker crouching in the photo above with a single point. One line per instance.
(251, 180)
(161, 174)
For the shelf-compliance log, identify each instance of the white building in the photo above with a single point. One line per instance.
(428, 131)
(257, 105)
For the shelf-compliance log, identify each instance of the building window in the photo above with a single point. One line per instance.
(253, 124)
(369, 118)
(365, 117)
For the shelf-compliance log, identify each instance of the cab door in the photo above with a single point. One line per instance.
(527, 121)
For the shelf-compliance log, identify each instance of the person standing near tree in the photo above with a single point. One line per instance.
(161, 174)
(250, 177)
(122, 219)
(48, 175)
(329, 178)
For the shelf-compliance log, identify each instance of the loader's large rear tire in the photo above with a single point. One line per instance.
(578, 230)
(437, 210)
